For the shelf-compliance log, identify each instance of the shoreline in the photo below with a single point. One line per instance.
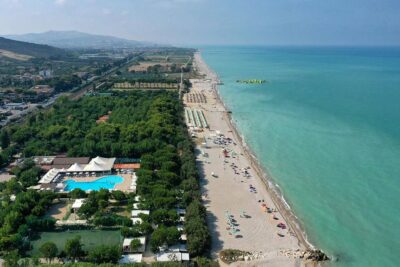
(273, 190)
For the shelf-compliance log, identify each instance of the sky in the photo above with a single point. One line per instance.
(218, 22)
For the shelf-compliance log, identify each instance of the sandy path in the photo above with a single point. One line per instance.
(229, 192)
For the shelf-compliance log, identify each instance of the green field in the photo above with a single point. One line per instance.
(90, 239)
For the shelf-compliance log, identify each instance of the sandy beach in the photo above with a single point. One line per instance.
(234, 186)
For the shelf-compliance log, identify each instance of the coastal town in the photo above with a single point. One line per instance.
(108, 184)
(199, 133)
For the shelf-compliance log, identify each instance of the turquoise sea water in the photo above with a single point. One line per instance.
(107, 182)
(326, 126)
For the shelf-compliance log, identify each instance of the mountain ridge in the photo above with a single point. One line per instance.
(77, 39)
(30, 49)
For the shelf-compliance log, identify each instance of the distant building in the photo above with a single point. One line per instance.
(82, 74)
(46, 73)
(16, 106)
(43, 89)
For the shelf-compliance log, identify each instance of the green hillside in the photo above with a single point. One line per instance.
(34, 50)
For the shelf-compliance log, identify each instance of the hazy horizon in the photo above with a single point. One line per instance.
(207, 22)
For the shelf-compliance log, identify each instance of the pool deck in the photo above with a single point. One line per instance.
(124, 186)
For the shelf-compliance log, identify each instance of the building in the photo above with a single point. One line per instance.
(122, 164)
(46, 73)
(127, 166)
(136, 220)
(43, 89)
(136, 213)
(59, 162)
(59, 166)
(131, 258)
(77, 204)
(16, 106)
(172, 256)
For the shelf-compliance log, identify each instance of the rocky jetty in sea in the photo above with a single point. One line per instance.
(315, 255)
(310, 254)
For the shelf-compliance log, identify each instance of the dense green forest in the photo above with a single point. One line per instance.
(139, 123)
(146, 125)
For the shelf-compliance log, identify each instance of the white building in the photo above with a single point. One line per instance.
(136, 220)
(131, 258)
(172, 256)
(136, 213)
(78, 204)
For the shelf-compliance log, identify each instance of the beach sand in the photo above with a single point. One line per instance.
(230, 192)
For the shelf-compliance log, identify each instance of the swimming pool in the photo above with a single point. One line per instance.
(107, 182)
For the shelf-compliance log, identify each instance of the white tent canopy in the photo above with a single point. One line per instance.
(99, 164)
(76, 167)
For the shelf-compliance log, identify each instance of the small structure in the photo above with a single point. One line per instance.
(59, 162)
(178, 248)
(181, 212)
(131, 258)
(127, 166)
(43, 160)
(183, 237)
(43, 89)
(77, 204)
(172, 256)
(133, 182)
(136, 213)
(126, 245)
(136, 220)
(50, 176)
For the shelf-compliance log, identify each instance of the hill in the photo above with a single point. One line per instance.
(27, 50)
(75, 39)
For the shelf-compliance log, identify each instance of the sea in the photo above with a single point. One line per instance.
(326, 127)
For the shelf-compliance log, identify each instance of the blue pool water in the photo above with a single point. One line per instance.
(107, 182)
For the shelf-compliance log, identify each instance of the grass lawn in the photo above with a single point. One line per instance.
(90, 239)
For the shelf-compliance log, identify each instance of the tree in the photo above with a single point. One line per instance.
(49, 251)
(73, 248)
(104, 254)
(11, 259)
(77, 193)
(135, 245)
(4, 139)
(118, 195)
(166, 217)
(164, 236)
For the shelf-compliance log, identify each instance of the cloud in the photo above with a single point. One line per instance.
(60, 2)
(106, 11)
(173, 3)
